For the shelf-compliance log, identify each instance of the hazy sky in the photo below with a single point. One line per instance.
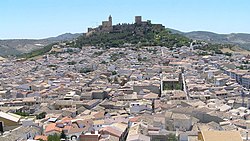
(46, 18)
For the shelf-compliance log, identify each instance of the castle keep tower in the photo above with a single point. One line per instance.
(110, 20)
(138, 20)
(107, 25)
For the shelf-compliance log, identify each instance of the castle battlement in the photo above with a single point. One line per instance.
(107, 26)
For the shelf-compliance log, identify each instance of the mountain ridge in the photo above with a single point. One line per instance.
(240, 39)
(19, 46)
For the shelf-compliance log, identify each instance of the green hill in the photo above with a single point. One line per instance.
(137, 36)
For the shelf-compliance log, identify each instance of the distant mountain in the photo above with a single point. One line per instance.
(175, 31)
(19, 46)
(241, 39)
(64, 37)
(207, 36)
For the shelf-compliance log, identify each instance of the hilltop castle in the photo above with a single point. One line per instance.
(139, 26)
(105, 27)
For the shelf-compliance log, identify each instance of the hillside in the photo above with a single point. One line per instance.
(19, 46)
(37, 52)
(236, 49)
(240, 39)
(130, 35)
(64, 37)
(135, 35)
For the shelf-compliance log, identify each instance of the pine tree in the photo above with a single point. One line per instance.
(54, 137)
(63, 135)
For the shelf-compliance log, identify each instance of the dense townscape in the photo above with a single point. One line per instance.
(128, 93)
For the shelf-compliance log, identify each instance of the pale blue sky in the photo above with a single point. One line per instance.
(47, 18)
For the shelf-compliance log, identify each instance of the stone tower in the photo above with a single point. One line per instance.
(110, 20)
(138, 19)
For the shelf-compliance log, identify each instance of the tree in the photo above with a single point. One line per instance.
(54, 137)
(24, 114)
(41, 115)
(172, 137)
(114, 72)
(63, 135)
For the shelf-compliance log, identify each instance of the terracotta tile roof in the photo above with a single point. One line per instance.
(68, 127)
(135, 119)
(52, 127)
(111, 130)
(99, 115)
(42, 137)
(75, 130)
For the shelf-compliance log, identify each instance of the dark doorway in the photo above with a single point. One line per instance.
(1, 127)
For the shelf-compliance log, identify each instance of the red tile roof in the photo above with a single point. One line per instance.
(135, 119)
(110, 130)
(52, 127)
(42, 137)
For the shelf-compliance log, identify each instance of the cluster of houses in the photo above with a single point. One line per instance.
(119, 94)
